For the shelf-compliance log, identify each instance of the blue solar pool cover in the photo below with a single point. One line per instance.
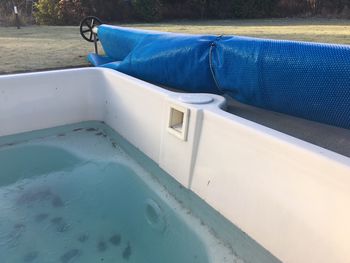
(307, 80)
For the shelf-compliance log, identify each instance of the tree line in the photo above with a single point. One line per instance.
(64, 12)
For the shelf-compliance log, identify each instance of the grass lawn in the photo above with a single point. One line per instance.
(45, 47)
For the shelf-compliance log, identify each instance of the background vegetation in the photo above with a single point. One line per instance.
(70, 12)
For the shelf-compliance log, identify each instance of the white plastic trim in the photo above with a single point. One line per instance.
(178, 121)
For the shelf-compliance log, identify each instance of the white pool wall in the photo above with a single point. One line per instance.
(292, 197)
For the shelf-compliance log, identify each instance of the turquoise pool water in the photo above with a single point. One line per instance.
(80, 193)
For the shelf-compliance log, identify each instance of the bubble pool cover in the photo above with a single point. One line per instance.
(307, 80)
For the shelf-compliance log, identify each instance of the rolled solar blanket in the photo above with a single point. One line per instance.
(179, 61)
(307, 80)
(118, 42)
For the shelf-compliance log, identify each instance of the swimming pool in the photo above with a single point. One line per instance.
(167, 177)
(76, 196)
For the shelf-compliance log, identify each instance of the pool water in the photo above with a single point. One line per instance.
(74, 194)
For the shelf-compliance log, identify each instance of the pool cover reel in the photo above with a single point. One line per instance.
(307, 80)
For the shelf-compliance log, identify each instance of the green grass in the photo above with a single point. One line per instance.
(35, 48)
(45, 47)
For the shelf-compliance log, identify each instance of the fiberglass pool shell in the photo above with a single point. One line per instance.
(77, 196)
(266, 183)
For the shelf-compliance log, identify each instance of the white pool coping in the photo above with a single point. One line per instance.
(291, 196)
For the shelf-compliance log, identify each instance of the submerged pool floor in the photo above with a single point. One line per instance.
(66, 215)
(73, 195)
